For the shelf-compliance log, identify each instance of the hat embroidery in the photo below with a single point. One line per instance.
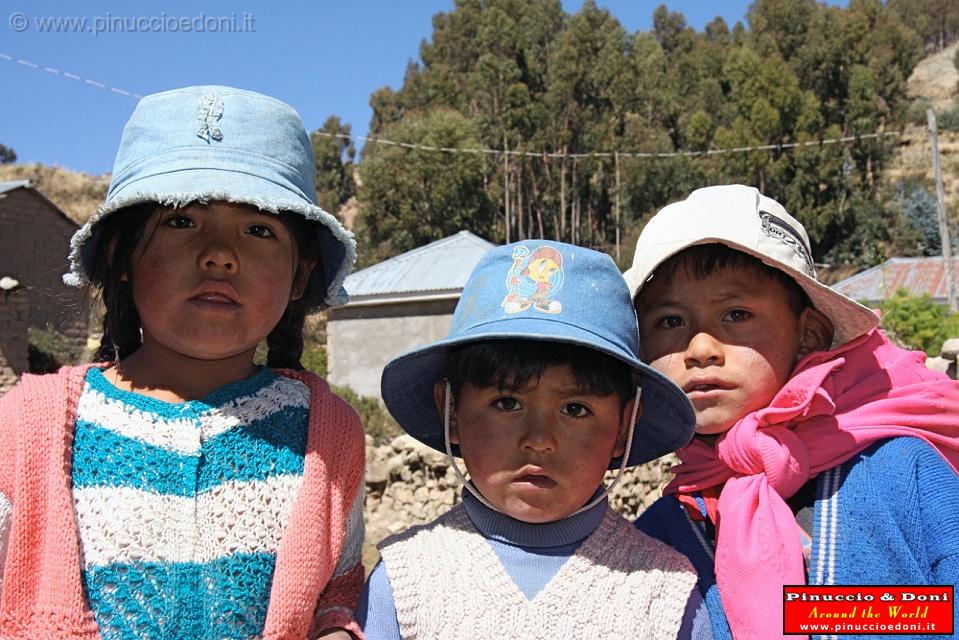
(209, 113)
(774, 227)
(533, 278)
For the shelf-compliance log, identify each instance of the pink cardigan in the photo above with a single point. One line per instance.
(42, 594)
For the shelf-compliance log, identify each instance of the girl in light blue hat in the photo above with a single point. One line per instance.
(174, 488)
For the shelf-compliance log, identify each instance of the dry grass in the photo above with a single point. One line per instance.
(77, 194)
(936, 77)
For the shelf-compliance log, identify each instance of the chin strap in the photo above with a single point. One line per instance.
(604, 492)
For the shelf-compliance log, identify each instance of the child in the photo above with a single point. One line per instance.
(800, 468)
(536, 389)
(174, 489)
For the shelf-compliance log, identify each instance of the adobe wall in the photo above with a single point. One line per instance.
(14, 309)
(33, 250)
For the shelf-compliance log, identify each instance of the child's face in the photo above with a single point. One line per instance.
(729, 340)
(538, 454)
(211, 281)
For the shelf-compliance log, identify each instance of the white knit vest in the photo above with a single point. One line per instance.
(447, 582)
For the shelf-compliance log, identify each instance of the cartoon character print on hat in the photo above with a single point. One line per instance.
(534, 277)
(209, 112)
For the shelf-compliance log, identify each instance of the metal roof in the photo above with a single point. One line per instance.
(439, 269)
(13, 184)
(918, 275)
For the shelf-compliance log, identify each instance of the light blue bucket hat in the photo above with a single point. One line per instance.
(204, 143)
(552, 292)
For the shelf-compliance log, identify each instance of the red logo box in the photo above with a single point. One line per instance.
(868, 610)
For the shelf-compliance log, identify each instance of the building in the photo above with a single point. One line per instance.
(397, 305)
(33, 258)
(918, 275)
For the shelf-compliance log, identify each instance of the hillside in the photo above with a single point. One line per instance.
(77, 194)
(935, 79)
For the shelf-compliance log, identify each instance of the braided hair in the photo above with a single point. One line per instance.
(285, 342)
(120, 234)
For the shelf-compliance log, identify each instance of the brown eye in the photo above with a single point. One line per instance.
(575, 410)
(670, 322)
(179, 221)
(738, 315)
(260, 231)
(506, 404)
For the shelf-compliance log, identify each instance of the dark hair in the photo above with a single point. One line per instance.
(514, 363)
(703, 260)
(123, 231)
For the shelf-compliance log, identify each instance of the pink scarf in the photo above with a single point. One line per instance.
(835, 405)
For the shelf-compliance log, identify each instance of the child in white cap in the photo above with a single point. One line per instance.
(823, 454)
(174, 488)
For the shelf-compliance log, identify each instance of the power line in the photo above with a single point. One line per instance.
(785, 146)
(68, 75)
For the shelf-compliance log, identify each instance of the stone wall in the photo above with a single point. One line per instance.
(946, 360)
(408, 483)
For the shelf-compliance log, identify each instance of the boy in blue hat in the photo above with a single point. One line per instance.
(537, 388)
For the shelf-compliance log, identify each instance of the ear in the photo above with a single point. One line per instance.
(111, 249)
(301, 279)
(439, 397)
(624, 427)
(816, 331)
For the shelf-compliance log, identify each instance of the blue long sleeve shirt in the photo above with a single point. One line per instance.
(888, 515)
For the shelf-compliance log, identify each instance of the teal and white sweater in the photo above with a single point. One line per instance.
(181, 506)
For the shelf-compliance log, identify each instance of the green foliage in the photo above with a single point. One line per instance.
(948, 120)
(916, 112)
(410, 198)
(314, 355)
(314, 359)
(7, 155)
(333, 157)
(919, 208)
(48, 350)
(936, 21)
(918, 322)
(377, 421)
(525, 76)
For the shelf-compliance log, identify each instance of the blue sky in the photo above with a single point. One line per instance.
(324, 57)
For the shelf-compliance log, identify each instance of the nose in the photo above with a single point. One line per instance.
(704, 350)
(218, 255)
(540, 434)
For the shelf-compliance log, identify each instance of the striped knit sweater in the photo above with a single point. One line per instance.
(232, 517)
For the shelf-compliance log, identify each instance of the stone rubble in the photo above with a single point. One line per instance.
(408, 483)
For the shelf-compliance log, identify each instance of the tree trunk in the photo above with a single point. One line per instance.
(561, 229)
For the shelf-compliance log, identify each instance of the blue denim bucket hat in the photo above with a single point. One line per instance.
(204, 143)
(550, 292)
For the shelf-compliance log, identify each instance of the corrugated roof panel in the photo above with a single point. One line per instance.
(13, 184)
(917, 275)
(444, 265)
